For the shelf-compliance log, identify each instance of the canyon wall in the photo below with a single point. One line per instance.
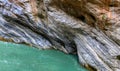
(88, 28)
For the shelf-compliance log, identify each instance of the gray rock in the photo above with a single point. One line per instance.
(82, 27)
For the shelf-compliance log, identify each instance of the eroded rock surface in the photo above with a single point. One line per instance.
(89, 27)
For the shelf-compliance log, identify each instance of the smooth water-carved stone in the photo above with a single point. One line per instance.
(88, 28)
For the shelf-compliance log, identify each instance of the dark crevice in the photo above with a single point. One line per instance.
(111, 5)
(92, 17)
(41, 16)
(71, 47)
(82, 18)
(118, 57)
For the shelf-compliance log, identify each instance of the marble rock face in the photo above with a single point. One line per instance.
(89, 28)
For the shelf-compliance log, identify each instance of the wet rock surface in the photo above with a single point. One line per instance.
(90, 28)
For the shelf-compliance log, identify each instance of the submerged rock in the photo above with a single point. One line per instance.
(88, 28)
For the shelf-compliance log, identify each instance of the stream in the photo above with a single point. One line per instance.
(18, 57)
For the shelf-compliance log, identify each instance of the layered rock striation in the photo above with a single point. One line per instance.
(89, 28)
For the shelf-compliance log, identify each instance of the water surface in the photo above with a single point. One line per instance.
(17, 57)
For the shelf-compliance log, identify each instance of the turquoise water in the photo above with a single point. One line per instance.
(17, 57)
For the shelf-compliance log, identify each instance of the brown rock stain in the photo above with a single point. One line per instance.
(34, 7)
